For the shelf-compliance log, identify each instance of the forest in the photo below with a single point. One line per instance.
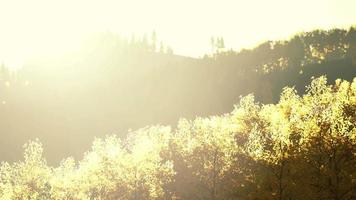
(302, 147)
(134, 121)
(114, 84)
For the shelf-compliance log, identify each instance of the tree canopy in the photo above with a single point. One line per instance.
(303, 147)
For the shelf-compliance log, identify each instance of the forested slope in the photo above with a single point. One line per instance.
(303, 147)
(114, 84)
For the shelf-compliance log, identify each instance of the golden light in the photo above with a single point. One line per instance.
(41, 27)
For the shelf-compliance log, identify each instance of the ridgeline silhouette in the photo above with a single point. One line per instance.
(114, 84)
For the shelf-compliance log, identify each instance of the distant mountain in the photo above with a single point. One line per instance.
(115, 84)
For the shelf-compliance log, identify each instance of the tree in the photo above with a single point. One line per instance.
(153, 41)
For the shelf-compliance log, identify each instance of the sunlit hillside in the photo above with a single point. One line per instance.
(113, 83)
(303, 147)
(177, 100)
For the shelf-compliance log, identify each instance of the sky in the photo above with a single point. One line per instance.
(38, 27)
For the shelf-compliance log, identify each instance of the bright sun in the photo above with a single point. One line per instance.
(42, 27)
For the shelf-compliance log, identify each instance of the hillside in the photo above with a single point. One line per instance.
(115, 84)
(303, 147)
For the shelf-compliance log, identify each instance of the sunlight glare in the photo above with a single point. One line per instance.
(42, 28)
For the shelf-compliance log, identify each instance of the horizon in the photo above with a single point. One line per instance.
(45, 30)
(177, 99)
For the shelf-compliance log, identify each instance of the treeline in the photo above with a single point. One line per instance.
(301, 49)
(148, 42)
(291, 62)
(116, 83)
(303, 147)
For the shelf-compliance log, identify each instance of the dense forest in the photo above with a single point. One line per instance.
(303, 147)
(114, 83)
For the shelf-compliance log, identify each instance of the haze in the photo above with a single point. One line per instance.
(177, 99)
(42, 27)
(81, 74)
